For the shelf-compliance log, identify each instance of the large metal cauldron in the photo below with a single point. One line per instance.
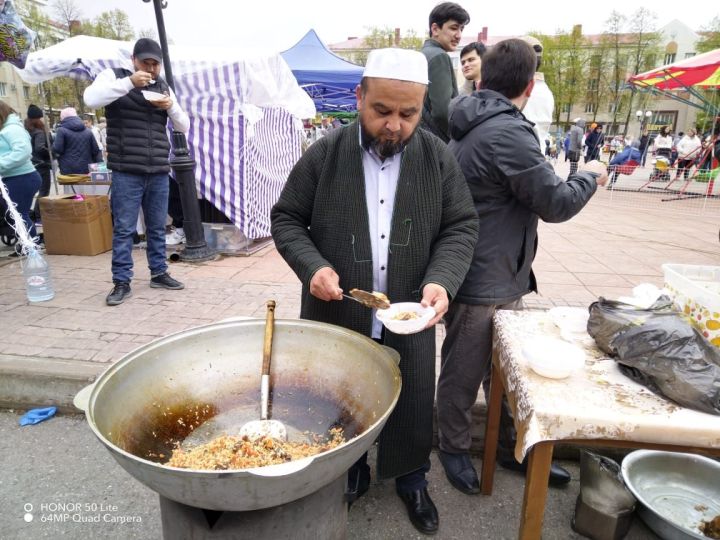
(322, 375)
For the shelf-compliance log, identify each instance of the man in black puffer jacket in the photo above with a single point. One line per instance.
(75, 145)
(513, 186)
(137, 106)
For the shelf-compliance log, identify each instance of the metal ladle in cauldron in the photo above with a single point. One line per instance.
(266, 427)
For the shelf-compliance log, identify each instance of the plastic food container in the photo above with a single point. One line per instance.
(696, 292)
(152, 96)
(552, 357)
(411, 326)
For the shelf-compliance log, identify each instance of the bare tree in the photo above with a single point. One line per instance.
(644, 50)
(147, 33)
(67, 11)
(114, 24)
(566, 71)
(598, 89)
(710, 36)
(618, 62)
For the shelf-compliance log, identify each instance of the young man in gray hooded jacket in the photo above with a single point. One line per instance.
(512, 186)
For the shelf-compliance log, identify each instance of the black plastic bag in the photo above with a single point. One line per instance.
(659, 348)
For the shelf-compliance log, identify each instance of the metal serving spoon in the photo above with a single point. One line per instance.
(375, 300)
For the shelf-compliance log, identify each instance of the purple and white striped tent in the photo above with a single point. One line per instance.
(245, 131)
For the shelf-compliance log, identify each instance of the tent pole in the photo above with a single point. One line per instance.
(53, 163)
(666, 94)
(183, 166)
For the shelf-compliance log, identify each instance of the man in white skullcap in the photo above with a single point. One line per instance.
(382, 205)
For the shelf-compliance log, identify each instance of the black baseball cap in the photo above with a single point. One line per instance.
(147, 48)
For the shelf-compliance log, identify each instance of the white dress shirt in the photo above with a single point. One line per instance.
(381, 179)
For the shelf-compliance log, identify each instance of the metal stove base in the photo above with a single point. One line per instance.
(318, 516)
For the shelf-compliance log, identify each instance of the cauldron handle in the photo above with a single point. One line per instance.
(393, 353)
(82, 398)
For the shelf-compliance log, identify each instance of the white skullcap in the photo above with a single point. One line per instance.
(398, 64)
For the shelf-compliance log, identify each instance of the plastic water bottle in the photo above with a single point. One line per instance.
(38, 282)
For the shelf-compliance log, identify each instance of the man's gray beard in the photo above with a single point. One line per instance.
(385, 149)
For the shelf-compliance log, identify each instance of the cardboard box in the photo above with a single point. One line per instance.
(75, 227)
(101, 176)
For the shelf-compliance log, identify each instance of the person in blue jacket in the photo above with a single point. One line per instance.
(629, 153)
(75, 145)
(16, 168)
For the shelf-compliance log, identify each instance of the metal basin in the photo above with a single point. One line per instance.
(322, 375)
(676, 491)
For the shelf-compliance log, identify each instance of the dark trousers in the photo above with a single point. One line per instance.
(45, 181)
(44, 191)
(175, 210)
(684, 168)
(613, 172)
(573, 168)
(574, 157)
(466, 362)
(22, 189)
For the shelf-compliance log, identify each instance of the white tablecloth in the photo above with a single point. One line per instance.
(597, 402)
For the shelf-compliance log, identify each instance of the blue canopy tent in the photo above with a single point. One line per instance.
(328, 79)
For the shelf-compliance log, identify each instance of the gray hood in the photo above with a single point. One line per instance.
(466, 112)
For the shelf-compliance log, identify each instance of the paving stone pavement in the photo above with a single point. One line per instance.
(48, 351)
(614, 244)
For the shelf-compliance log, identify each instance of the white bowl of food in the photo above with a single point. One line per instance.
(405, 317)
(153, 96)
(552, 357)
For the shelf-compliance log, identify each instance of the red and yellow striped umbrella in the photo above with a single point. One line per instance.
(702, 70)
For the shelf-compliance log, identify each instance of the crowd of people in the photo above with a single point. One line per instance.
(32, 150)
(314, 132)
(681, 151)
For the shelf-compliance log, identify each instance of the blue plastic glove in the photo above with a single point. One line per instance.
(35, 416)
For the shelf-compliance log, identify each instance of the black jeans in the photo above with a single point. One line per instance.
(175, 210)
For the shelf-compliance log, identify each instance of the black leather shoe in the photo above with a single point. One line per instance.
(421, 510)
(460, 472)
(120, 292)
(164, 281)
(558, 475)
